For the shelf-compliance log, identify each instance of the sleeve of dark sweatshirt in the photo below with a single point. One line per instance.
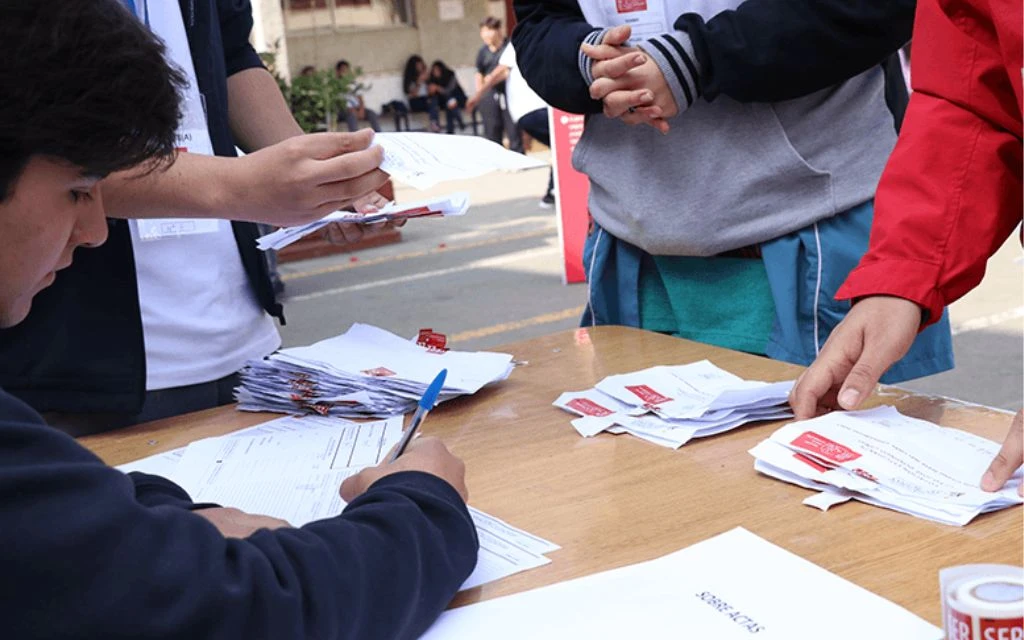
(235, 17)
(547, 40)
(774, 50)
(84, 556)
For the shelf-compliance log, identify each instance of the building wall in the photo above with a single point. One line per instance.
(385, 49)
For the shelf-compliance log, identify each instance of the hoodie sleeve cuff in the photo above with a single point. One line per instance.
(585, 63)
(673, 53)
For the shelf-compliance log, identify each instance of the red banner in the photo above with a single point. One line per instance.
(572, 189)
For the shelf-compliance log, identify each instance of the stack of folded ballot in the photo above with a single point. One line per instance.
(669, 405)
(456, 204)
(366, 372)
(886, 459)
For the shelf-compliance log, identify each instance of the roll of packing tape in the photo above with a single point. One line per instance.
(989, 607)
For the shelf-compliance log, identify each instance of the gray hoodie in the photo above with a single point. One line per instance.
(731, 174)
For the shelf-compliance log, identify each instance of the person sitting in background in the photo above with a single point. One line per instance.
(445, 86)
(89, 552)
(355, 105)
(416, 85)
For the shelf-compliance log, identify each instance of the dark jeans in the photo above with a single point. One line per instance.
(428, 105)
(497, 122)
(536, 124)
(353, 122)
(159, 404)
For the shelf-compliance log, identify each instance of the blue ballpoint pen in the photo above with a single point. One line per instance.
(426, 404)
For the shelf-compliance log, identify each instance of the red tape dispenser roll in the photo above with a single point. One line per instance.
(983, 602)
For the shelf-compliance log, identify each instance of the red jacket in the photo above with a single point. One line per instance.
(951, 192)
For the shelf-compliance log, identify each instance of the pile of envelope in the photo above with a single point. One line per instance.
(886, 459)
(366, 372)
(455, 204)
(669, 405)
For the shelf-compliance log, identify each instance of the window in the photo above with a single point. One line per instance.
(333, 14)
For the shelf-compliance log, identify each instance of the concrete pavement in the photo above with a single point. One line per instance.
(494, 276)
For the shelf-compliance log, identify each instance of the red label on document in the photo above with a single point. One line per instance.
(629, 6)
(379, 372)
(825, 448)
(588, 408)
(811, 462)
(647, 394)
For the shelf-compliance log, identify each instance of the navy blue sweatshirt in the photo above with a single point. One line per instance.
(762, 51)
(89, 552)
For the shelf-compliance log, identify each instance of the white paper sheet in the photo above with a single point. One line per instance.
(883, 458)
(456, 204)
(292, 469)
(733, 586)
(423, 160)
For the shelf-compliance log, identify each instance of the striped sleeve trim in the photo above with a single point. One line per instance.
(585, 63)
(673, 53)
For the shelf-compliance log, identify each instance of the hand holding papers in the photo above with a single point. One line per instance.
(889, 460)
(456, 204)
(671, 405)
(734, 586)
(367, 372)
(423, 160)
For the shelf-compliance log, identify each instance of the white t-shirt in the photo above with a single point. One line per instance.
(200, 317)
(521, 98)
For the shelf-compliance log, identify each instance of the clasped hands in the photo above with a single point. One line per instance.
(629, 83)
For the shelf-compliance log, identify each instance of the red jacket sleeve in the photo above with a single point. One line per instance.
(951, 192)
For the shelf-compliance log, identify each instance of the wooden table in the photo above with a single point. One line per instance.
(610, 501)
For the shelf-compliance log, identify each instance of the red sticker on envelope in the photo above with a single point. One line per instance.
(629, 6)
(822, 446)
(647, 394)
(432, 341)
(588, 407)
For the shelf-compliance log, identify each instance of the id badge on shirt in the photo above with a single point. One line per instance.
(159, 228)
(646, 18)
(165, 21)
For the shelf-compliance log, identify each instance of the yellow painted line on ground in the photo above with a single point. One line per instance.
(345, 266)
(544, 318)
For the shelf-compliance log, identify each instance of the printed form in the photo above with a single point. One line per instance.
(733, 586)
(292, 468)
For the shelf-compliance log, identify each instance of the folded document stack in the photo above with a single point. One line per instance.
(886, 459)
(366, 372)
(669, 405)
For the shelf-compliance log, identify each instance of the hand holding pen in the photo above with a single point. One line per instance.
(425, 454)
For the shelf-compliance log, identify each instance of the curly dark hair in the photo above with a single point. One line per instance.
(85, 82)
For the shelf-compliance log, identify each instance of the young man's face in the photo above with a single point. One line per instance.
(51, 210)
(491, 37)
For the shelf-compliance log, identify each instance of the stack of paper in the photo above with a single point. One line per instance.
(366, 372)
(669, 405)
(455, 204)
(422, 160)
(886, 459)
(292, 468)
(734, 586)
